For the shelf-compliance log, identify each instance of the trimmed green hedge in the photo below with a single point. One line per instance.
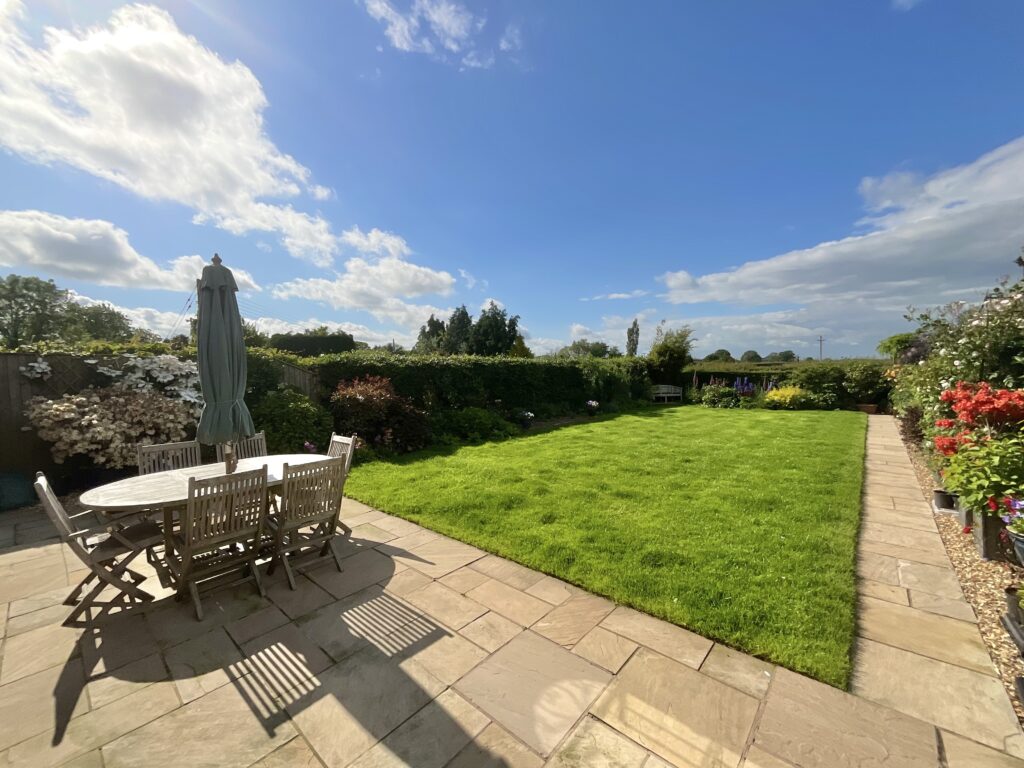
(462, 381)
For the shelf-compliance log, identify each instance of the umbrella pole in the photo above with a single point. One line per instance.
(230, 459)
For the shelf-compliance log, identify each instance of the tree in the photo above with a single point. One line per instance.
(430, 338)
(750, 356)
(633, 338)
(584, 348)
(314, 341)
(30, 310)
(494, 333)
(896, 346)
(519, 348)
(253, 336)
(788, 356)
(457, 335)
(670, 353)
(95, 321)
(720, 356)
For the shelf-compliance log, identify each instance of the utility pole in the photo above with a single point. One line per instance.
(821, 347)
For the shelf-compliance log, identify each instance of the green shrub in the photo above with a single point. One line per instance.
(290, 419)
(264, 376)
(989, 469)
(719, 396)
(867, 383)
(472, 424)
(370, 408)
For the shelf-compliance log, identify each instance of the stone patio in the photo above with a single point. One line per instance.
(430, 653)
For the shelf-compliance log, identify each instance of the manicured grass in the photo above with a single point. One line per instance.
(739, 525)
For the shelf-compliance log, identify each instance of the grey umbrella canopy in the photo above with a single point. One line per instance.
(222, 363)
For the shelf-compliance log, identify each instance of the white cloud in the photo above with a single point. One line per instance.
(439, 28)
(377, 287)
(472, 281)
(511, 39)
(487, 303)
(376, 242)
(635, 294)
(905, 5)
(929, 238)
(138, 103)
(94, 251)
(163, 323)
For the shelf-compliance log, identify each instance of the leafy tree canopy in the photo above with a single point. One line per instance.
(787, 356)
(314, 341)
(494, 333)
(670, 353)
(720, 356)
(633, 338)
(585, 348)
(750, 356)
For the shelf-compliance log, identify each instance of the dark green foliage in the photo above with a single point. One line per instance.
(430, 338)
(30, 310)
(457, 336)
(314, 341)
(750, 356)
(471, 424)
(253, 336)
(290, 419)
(495, 333)
(896, 346)
(372, 409)
(719, 396)
(96, 321)
(669, 354)
(720, 356)
(519, 349)
(633, 338)
(867, 383)
(788, 356)
(548, 386)
(584, 348)
(264, 374)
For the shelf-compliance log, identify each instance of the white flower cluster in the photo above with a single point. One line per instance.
(106, 424)
(166, 374)
(40, 369)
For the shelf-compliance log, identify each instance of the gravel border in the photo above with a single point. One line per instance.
(983, 582)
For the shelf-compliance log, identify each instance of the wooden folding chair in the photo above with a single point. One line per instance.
(248, 448)
(221, 528)
(307, 517)
(164, 456)
(106, 549)
(343, 447)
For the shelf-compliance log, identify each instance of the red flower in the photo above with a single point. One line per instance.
(979, 404)
(992, 504)
(945, 423)
(967, 529)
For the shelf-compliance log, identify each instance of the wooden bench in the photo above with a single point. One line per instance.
(665, 392)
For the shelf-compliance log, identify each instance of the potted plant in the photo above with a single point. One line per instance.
(524, 418)
(943, 500)
(592, 406)
(1014, 519)
(867, 385)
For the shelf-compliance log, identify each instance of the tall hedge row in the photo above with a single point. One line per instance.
(461, 381)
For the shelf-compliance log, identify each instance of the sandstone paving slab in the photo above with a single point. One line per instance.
(368, 534)
(438, 557)
(280, 660)
(175, 622)
(931, 579)
(899, 520)
(89, 760)
(255, 624)
(882, 591)
(23, 581)
(951, 697)
(359, 571)
(404, 582)
(491, 631)
(38, 601)
(430, 738)
(667, 639)
(739, 670)
(653, 761)
(295, 754)
(445, 605)
(535, 689)
(120, 640)
(926, 556)
(506, 571)
(36, 650)
(902, 537)
(447, 656)
(676, 712)
(203, 664)
(876, 567)
(396, 525)
(955, 609)
(570, 621)
(33, 704)
(350, 509)
(410, 541)
(95, 728)
(128, 679)
(344, 715)
(225, 727)
(510, 602)
(594, 745)
(928, 634)
(813, 725)
(606, 649)
(758, 758)
(552, 590)
(464, 579)
(55, 614)
(964, 753)
(495, 747)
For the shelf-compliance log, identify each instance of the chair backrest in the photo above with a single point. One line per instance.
(312, 491)
(344, 447)
(225, 508)
(59, 517)
(249, 448)
(164, 456)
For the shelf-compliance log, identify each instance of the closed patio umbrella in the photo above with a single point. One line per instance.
(222, 362)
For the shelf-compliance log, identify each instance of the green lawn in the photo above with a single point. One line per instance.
(740, 525)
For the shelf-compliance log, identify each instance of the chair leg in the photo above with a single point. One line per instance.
(72, 598)
(258, 579)
(194, 590)
(334, 552)
(288, 570)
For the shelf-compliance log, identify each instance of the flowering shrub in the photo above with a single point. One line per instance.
(789, 398)
(719, 396)
(524, 418)
(165, 374)
(290, 418)
(592, 406)
(978, 405)
(106, 424)
(40, 369)
(986, 471)
(370, 408)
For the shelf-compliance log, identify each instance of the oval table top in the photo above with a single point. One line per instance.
(170, 488)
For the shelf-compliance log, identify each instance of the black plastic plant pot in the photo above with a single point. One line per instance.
(965, 514)
(986, 529)
(1013, 605)
(1018, 545)
(1015, 632)
(943, 499)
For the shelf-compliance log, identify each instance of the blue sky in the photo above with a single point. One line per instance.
(764, 172)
